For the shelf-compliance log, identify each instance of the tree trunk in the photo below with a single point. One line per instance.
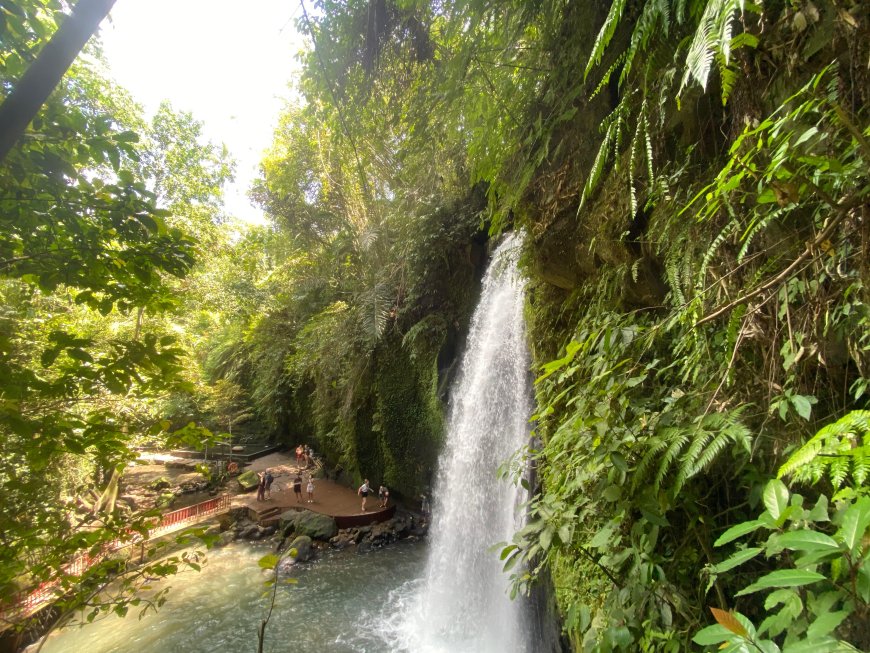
(43, 75)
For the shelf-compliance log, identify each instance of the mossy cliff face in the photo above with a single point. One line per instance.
(690, 326)
(384, 420)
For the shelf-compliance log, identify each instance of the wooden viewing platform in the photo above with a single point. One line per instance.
(330, 498)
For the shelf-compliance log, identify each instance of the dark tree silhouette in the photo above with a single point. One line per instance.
(45, 73)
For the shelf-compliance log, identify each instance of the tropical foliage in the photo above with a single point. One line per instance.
(90, 264)
(691, 177)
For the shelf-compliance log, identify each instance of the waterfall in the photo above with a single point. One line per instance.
(462, 603)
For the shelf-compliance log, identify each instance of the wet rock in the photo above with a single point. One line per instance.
(304, 548)
(305, 522)
(251, 532)
(225, 538)
(345, 538)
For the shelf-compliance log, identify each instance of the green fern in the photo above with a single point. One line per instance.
(612, 127)
(685, 451)
(654, 21)
(758, 224)
(721, 237)
(672, 269)
(714, 41)
(605, 35)
(838, 450)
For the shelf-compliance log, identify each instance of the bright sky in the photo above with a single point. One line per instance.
(227, 62)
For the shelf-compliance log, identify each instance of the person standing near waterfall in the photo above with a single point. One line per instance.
(261, 486)
(364, 493)
(268, 480)
(297, 487)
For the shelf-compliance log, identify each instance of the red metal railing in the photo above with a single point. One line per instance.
(26, 602)
(192, 513)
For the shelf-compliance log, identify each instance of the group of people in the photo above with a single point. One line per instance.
(304, 455)
(383, 494)
(297, 488)
(266, 478)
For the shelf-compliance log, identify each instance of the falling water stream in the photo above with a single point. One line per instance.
(462, 602)
(450, 595)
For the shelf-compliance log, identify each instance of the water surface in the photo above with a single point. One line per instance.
(337, 605)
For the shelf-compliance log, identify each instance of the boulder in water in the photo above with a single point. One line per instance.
(305, 522)
(304, 548)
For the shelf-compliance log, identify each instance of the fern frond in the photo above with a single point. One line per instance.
(836, 449)
(688, 460)
(690, 449)
(654, 20)
(726, 231)
(678, 440)
(612, 127)
(838, 470)
(672, 271)
(649, 149)
(605, 35)
(755, 227)
(653, 446)
(701, 51)
(605, 79)
(727, 79)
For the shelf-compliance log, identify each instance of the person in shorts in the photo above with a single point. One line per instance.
(297, 488)
(363, 491)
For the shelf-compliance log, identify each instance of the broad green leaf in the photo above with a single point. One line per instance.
(268, 561)
(775, 498)
(738, 531)
(819, 513)
(786, 596)
(783, 578)
(802, 405)
(612, 493)
(863, 584)
(737, 559)
(806, 540)
(855, 521)
(546, 538)
(826, 623)
(601, 538)
(711, 635)
(824, 645)
(619, 461)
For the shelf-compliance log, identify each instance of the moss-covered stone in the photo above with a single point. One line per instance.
(305, 522)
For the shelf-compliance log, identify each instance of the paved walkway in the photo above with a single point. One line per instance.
(330, 498)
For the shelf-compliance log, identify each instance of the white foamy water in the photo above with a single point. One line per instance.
(462, 603)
